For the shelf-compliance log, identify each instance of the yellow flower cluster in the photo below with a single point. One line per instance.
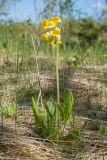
(52, 36)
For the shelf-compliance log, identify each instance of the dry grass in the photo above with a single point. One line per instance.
(90, 97)
(23, 143)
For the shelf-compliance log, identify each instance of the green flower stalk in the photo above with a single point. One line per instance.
(57, 74)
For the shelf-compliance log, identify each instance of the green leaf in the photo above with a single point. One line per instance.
(36, 112)
(101, 131)
(34, 106)
(50, 108)
(77, 62)
(67, 107)
(9, 111)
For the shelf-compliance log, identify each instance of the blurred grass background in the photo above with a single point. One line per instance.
(83, 36)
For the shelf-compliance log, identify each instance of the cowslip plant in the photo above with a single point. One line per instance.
(52, 36)
(52, 119)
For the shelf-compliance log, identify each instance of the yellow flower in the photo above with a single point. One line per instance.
(45, 23)
(53, 35)
(55, 20)
(58, 42)
(51, 40)
(46, 36)
(56, 32)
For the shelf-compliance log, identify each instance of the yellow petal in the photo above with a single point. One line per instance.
(58, 42)
(56, 32)
(51, 40)
(45, 23)
(55, 20)
(45, 37)
(52, 24)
